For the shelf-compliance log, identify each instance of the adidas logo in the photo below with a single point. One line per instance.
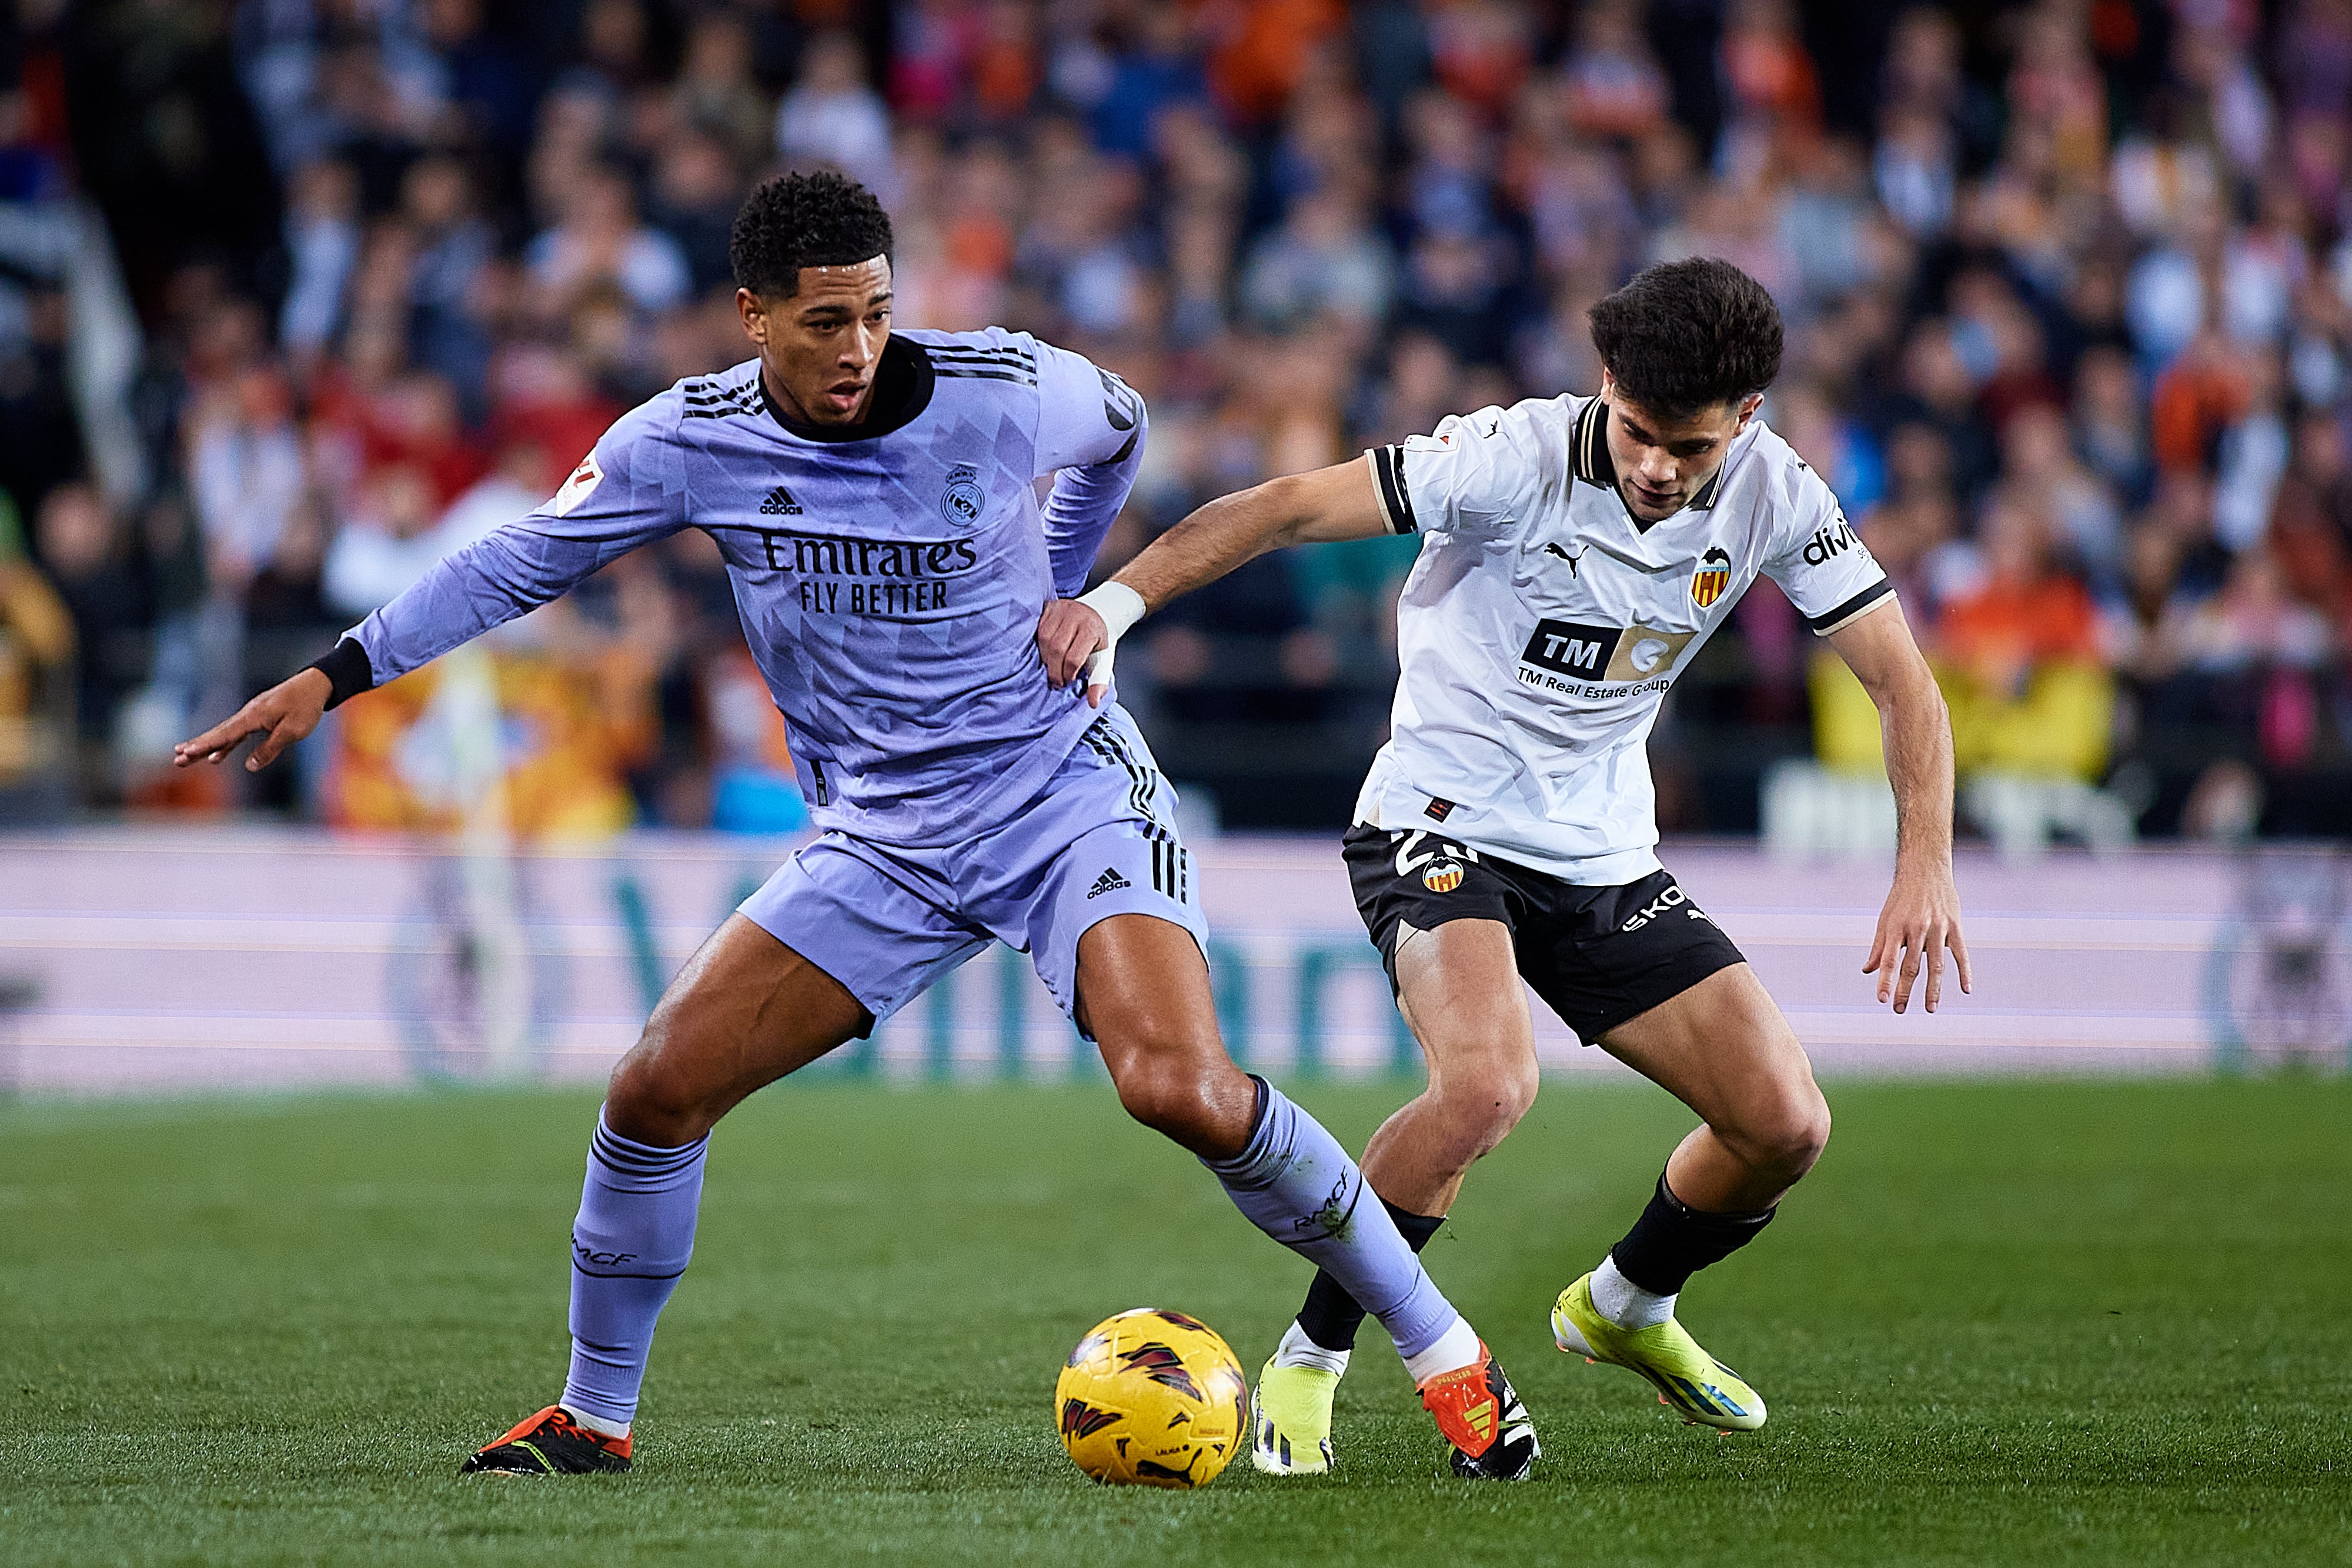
(1109, 881)
(780, 503)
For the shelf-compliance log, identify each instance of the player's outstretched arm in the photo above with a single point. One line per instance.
(282, 716)
(508, 573)
(601, 512)
(1922, 914)
(1322, 507)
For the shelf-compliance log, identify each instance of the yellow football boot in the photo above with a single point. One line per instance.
(1694, 1383)
(1290, 1420)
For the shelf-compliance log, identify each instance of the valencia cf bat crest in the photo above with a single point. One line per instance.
(1713, 576)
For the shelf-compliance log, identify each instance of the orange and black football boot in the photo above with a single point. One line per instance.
(1481, 1415)
(549, 1444)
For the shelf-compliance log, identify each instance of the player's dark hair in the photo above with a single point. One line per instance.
(791, 221)
(1685, 335)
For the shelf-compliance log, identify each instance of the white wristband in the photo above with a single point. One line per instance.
(1120, 606)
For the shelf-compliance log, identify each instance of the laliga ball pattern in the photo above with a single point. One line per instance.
(1151, 1398)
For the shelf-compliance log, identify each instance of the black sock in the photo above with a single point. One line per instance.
(1331, 1317)
(1672, 1240)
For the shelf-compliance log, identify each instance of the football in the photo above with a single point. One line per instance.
(1151, 1398)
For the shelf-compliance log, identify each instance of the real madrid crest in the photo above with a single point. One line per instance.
(1713, 576)
(1442, 875)
(961, 503)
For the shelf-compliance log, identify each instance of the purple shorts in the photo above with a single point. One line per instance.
(1099, 840)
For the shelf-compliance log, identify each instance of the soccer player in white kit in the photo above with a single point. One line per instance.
(1578, 551)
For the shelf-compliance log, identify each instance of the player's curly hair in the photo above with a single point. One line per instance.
(791, 221)
(1685, 335)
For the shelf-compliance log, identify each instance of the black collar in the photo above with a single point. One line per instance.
(903, 383)
(1589, 459)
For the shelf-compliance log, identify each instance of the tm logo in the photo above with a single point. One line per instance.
(1573, 649)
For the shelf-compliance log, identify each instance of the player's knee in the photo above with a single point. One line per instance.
(1514, 1091)
(1162, 1084)
(645, 1101)
(1786, 1136)
(1481, 1105)
(1168, 1097)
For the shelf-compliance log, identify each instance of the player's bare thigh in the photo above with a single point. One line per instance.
(1143, 993)
(1724, 1049)
(744, 1011)
(1458, 987)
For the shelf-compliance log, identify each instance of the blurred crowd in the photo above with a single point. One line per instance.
(2069, 289)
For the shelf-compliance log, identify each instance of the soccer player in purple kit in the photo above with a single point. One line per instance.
(873, 494)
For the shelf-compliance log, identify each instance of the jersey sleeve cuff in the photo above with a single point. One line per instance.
(1852, 608)
(347, 670)
(1388, 482)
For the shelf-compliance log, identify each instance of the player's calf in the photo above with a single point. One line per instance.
(1715, 1196)
(1458, 986)
(1418, 1156)
(1624, 1312)
(1297, 1185)
(1726, 1051)
(745, 1011)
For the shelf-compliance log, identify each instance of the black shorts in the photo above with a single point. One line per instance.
(1597, 956)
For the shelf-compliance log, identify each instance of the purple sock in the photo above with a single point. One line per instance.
(1298, 1185)
(629, 1245)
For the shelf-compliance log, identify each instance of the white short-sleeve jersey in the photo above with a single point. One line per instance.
(1543, 624)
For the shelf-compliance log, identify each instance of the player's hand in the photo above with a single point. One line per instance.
(281, 716)
(1072, 638)
(1922, 918)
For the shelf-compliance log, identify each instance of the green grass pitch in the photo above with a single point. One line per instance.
(2023, 1322)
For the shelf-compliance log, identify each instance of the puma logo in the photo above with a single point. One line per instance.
(1571, 560)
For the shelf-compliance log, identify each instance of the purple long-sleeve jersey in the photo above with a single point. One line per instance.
(889, 578)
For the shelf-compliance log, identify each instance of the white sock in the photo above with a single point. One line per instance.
(1625, 1304)
(1298, 1350)
(598, 1423)
(1455, 1349)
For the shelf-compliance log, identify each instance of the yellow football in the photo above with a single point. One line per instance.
(1151, 1398)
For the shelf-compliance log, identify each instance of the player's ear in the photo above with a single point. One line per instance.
(1747, 407)
(754, 316)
